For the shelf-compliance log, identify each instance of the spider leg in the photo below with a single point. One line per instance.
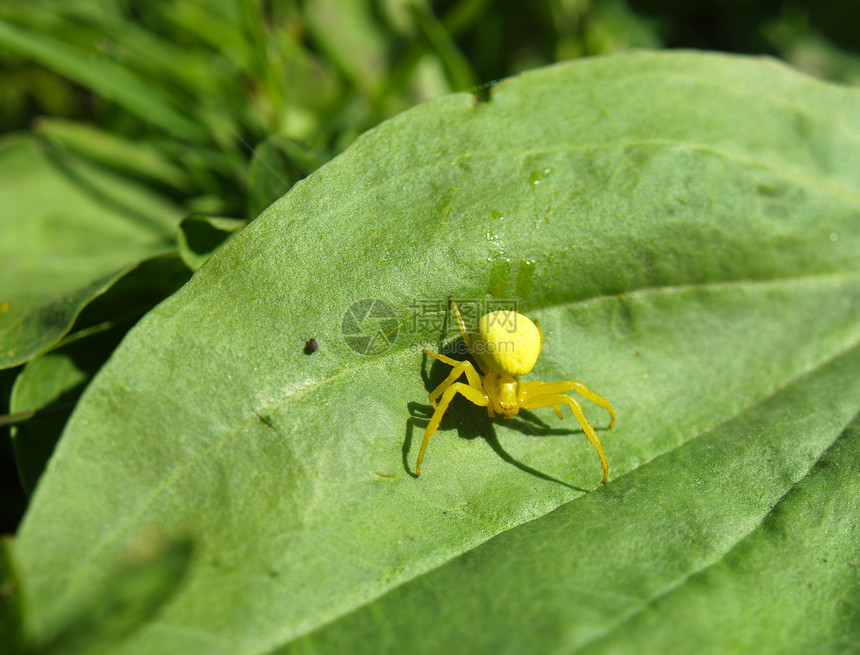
(531, 387)
(556, 399)
(473, 395)
(541, 388)
(461, 323)
(458, 369)
(443, 358)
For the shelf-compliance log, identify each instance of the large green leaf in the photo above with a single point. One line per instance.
(68, 232)
(686, 228)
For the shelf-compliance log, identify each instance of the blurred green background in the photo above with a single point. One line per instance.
(215, 108)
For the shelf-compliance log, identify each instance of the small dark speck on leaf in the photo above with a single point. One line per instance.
(311, 346)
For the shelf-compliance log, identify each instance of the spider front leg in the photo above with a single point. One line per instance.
(458, 369)
(556, 400)
(542, 388)
(471, 393)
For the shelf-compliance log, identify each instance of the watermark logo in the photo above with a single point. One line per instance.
(369, 327)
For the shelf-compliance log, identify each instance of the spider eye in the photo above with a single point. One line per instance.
(507, 342)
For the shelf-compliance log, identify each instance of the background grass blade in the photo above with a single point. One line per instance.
(104, 76)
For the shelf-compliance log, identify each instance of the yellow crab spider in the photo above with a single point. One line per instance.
(506, 347)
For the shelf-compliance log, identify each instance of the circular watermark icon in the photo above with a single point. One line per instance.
(369, 327)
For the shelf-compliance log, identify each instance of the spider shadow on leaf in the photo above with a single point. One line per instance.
(473, 421)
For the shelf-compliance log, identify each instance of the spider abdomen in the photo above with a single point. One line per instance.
(507, 342)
